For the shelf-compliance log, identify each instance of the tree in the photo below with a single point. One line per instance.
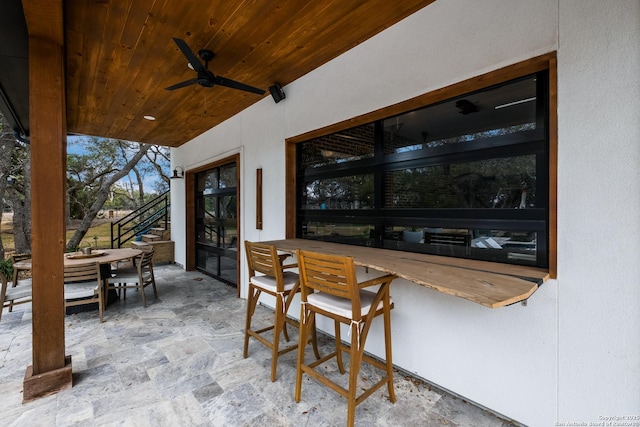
(7, 142)
(15, 183)
(160, 158)
(155, 163)
(20, 195)
(91, 174)
(102, 163)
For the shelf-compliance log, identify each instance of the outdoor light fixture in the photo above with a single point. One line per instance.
(178, 173)
(277, 92)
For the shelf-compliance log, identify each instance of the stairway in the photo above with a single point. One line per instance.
(160, 239)
(147, 225)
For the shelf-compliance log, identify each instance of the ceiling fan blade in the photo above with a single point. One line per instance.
(188, 53)
(222, 81)
(182, 84)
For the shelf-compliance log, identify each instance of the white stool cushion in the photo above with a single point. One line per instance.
(80, 289)
(342, 306)
(268, 283)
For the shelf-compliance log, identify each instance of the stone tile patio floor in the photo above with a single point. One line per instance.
(179, 362)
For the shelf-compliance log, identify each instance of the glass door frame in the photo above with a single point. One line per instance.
(190, 214)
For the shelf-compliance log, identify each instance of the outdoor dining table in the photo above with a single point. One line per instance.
(103, 256)
(487, 283)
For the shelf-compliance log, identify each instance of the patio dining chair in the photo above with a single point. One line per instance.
(329, 287)
(266, 274)
(10, 295)
(20, 273)
(137, 277)
(83, 285)
(21, 278)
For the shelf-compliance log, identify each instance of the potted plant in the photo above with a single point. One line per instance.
(6, 268)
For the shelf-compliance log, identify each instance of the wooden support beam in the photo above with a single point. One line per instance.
(51, 370)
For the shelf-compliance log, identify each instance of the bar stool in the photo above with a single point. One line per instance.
(329, 287)
(272, 280)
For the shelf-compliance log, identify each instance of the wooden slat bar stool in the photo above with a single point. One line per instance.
(330, 287)
(266, 274)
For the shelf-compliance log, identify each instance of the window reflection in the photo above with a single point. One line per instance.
(350, 192)
(490, 245)
(504, 110)
(227, 177)
(346, 146)
(356, 234)
(492, 183)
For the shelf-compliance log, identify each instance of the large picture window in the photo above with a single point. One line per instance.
(465, 177)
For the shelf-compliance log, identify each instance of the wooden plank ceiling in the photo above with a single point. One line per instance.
(121, 56)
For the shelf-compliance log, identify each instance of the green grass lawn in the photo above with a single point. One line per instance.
(101, 230)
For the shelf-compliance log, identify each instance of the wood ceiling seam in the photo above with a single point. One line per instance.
(258, 31)
(159, 20)
(139, 67)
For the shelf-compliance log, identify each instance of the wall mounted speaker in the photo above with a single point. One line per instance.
(277, 93)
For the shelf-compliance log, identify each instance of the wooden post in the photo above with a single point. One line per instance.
(51, 370)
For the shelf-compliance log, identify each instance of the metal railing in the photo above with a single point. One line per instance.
(138, 222)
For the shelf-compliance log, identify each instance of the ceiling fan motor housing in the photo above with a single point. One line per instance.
(205, 79)
(206, 55)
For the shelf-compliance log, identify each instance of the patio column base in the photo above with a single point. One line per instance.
(48, 383)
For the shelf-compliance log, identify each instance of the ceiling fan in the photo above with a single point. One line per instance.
(205, 77)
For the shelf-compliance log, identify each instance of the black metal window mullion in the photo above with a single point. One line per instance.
(492, 148)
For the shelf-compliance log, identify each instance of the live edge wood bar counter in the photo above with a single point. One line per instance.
(488, 283)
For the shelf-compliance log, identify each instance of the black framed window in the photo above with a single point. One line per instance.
(466, 177)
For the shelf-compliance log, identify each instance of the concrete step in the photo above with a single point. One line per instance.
(139, 244)
(162, 232)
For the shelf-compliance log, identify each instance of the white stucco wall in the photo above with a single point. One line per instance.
(572, 354)
(599, 209)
